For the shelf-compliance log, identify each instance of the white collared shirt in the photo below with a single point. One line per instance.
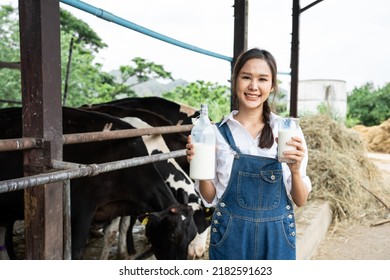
(247, 145)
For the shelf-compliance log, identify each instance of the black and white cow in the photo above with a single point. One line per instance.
(174, 141)
(174, 112)
(140, 188)
(179, 182)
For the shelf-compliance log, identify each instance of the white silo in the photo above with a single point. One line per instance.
(331, 94)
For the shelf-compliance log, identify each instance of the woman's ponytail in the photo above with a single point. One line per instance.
(267, 136)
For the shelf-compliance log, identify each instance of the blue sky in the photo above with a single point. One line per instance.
(342, 40)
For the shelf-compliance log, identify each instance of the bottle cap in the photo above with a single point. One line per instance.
(204, 108)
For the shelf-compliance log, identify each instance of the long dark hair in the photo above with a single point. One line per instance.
(267, 136)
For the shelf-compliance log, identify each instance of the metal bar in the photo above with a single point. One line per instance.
(56, 164)
(10, 65)
(294, 60)
(67, 222)
(125, 133)
(240, 28)
(28, 143)
(130, 25)
(310, 5)
(84, 171)
(18, 144)
(240, 43)
(10, 101)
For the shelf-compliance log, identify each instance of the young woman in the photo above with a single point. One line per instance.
(252, 191)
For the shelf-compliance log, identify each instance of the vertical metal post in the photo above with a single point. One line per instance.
(67, 222)
(294, 60)
(240, 33)
(42, 118)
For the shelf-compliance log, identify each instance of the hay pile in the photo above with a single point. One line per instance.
(338, 168)
(376, 138)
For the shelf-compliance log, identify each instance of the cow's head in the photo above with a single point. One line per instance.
(170, 231)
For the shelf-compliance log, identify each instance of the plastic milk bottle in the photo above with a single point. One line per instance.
(202, 165)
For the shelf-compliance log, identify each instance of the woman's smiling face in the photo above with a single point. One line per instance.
(254, 83)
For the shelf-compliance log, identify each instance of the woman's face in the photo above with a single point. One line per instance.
(254, 83)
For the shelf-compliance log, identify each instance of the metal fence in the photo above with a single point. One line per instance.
(75, 170)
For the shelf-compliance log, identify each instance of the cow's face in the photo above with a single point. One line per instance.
(170, 231)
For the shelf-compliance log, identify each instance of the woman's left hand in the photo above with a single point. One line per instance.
(296, 155)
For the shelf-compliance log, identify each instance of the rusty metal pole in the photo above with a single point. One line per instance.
(39, 22)
(294, 86)
(294, 60)
(240, 34)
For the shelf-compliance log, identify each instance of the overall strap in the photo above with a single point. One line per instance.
(227, 134)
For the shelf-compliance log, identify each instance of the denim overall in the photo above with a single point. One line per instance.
(254, 220)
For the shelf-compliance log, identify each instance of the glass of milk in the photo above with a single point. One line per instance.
(287, 128)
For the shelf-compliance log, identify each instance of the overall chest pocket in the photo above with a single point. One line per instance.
(259, 191)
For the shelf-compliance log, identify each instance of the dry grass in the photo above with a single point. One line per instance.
(339, 169)
(376, 138)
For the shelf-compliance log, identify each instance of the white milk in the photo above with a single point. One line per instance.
(285, 135)
(202, 164)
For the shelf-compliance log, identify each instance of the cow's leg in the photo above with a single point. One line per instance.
(81, 223)
(197, 247)
(126, 241)
(129, 236)
(122, 243)
(3, 247)
(7, 242)
(110, 233)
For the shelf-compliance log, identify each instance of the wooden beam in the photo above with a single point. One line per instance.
(42, 118)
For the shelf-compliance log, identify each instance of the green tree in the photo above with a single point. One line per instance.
(78, 44)
(10, 86)
(81, 31)
(86, 82)
(368, 105)
(83, 80)
(142, 70)
(215, 95)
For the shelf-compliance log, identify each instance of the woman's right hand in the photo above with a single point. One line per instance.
(190, 148)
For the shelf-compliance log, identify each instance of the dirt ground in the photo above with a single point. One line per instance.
(361, 242)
